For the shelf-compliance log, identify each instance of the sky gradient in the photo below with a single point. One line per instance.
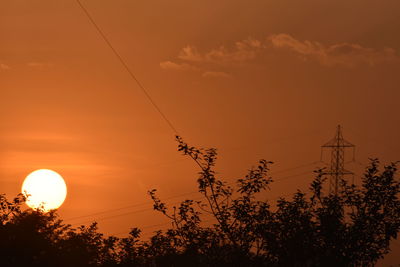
(255, 79)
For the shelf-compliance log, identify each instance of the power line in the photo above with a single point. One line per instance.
(127, 207)
(179, 195)
(107, 211)
(150, 209)
(114, 216)
(291, 176)
(168, 223)
(126, 213)
(133, 76)
(125, 65)
(297, 167)
(157, 225)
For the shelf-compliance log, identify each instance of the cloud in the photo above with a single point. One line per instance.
(190, 53)
(346, 54)
(244, 50)
(216, 74)
(353, 54)
(4, 67)
(169, 65)
(216, 58)
(217, 62)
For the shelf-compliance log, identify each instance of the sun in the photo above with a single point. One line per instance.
(44, 189)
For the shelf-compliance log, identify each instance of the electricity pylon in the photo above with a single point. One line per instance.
(336, 171)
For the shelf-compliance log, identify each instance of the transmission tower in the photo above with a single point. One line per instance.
(336, 171)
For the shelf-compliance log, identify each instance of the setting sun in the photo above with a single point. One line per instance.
(199, 133)
(44, 189)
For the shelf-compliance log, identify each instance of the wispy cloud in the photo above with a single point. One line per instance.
(190, 53)
(216, 62)
(169, 65)
(211, 62)
(242, 51)
(346, 54)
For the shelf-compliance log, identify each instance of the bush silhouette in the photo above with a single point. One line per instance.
(352, 228)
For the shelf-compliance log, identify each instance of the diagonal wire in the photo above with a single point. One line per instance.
(149, 203)
(125, 65)
(169, 223)
(184, 194)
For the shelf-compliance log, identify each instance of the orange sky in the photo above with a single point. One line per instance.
(256, 79)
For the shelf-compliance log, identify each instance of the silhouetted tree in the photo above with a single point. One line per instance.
(37, 238)
(29, 238)
(85, 246)
(352, 228)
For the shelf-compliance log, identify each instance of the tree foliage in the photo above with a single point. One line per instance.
(314, 228)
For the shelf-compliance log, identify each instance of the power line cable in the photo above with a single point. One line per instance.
(114, 216)
(132, 75)
(126, 213)
(151, 209)
(297, 167)
(125, 65)
(127, 207)
(291, 176)
(107, 211)
(157, 225)
(184, 194)
(168, 223)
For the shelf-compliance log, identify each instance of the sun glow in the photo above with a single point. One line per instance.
(44, 189)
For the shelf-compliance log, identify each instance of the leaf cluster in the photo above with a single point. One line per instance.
(233, 225)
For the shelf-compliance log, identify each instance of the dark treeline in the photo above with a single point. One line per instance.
(351, 228)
